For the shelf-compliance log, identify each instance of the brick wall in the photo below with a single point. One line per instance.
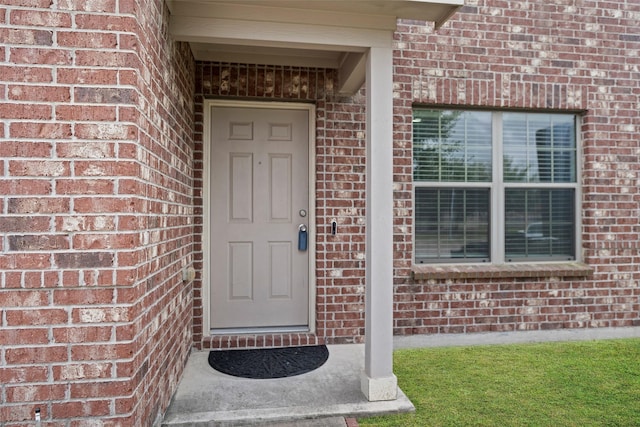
(534, 55)
(101, 183)
(96, 153)
(496, 55)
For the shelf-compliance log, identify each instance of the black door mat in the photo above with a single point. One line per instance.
(265, 363)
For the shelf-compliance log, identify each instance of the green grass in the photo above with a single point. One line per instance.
(595, 383)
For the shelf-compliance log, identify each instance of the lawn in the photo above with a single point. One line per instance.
(594, 383)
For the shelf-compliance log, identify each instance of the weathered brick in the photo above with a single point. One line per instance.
(81, 409)
(35, 393)
(38, 242)
(39, 130)
(78, 113)
(30, 336)
(85, 186)
(87, 76)
(23, 261)
(109, 131)
(40, 18)
(102, 315)
(26, 36)
(26, 111)
(40, 56)
(83, 296)
(25, 187)
(23, 374)
(105, 22)
(82, 371)
(40, 205)
(83, 260)
(87, 40)
(22, 224)
(101, 389)
(36, 317)
(38, 168)
(36, 355)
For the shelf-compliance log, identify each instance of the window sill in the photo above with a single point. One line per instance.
(489, 271)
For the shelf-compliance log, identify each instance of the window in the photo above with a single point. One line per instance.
(472, 207)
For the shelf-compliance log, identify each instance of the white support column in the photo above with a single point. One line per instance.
(378, 381)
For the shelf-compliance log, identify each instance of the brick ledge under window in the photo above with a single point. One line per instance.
(519, 270)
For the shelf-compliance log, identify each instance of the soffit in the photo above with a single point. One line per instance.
(306, 33)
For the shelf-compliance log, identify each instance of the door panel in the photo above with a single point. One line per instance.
(259, 183)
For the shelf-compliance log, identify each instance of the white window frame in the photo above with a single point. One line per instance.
(497, 189)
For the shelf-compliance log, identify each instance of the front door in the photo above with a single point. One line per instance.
(259, 202)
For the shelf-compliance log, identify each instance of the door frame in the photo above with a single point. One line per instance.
(207, 196)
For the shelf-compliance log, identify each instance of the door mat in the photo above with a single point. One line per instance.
(265, 363)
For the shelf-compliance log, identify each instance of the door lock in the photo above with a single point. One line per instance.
(302, 237)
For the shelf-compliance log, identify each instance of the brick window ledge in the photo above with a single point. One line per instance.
(507, 271)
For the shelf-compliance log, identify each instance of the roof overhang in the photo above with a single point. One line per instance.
(307, 33)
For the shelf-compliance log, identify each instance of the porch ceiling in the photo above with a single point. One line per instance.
(307, 33)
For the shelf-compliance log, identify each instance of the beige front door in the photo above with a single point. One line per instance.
(259, 199)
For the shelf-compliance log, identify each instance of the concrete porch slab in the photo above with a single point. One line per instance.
(209, 398)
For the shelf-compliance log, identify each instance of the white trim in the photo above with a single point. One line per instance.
(354, 13)
(276, 34)
(377, 379)
(206, 198)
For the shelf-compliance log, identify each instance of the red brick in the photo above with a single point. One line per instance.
(23, 224)
(36, 317)
(101, 389)
(35, 355)
(84, 186)
(35, 393)
(87, 150)
(24, 336)
(39, 205)
(107, 168)
(82, 296)
(87, 76)
(24, 374)
(102, 315)
(26, 36)
(25, 74)
(105, 22)
(91, 58)
(40, 56)
(83, 260)
(38, 94)
(25, 111)
(106, 241)
(40, 130)
(40, 18)
(82, 334)
(25, 261)
(82, 371)
(12, 299)
(97, 352)
(22, 412)
(38, 168)
(25, 187)
(77, 113)
(87, 40)
(81, 409)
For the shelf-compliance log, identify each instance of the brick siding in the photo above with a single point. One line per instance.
(96, 150)
(101, 191)
(495, 55)
(563, 56)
